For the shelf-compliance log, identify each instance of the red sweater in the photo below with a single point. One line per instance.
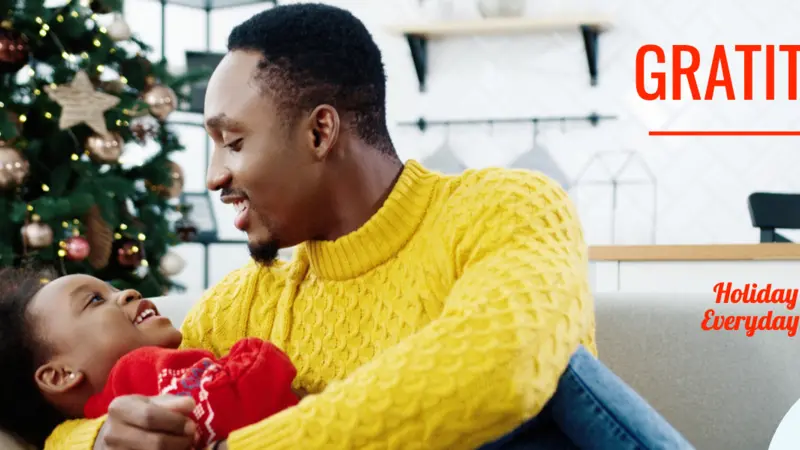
(249, 384)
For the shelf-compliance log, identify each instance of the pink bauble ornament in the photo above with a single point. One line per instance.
(77, 248)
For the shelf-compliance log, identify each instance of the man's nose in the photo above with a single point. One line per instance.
(127, 296)
(218, 176)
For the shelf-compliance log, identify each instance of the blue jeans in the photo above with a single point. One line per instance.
(593, 409)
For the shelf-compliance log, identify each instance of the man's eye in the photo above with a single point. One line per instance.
(234, 145)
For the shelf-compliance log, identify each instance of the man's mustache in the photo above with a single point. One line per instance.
(228, 192)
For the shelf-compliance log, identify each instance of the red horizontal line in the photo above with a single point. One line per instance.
(726, 133)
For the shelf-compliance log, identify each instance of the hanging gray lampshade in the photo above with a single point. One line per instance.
(539, 159)
(445, 161)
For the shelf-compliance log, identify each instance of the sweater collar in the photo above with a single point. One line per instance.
(383, 235)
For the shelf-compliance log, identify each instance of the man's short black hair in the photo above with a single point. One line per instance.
(318, 54)
(23, 409)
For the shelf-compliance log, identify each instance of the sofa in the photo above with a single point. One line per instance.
(721, 389)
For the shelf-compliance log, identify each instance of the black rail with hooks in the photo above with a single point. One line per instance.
(594, 119)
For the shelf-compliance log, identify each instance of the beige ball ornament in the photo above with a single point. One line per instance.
(14, 168)
(119, 30)
(171, 264)
(161, 100)
(37, 235)
(105, 149)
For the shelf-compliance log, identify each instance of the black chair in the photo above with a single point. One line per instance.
(770, 211)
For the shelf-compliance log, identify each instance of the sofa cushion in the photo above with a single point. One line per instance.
(721, 389)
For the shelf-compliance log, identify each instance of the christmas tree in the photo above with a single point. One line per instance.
(75, 96)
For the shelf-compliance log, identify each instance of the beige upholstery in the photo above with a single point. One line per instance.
(721, 389)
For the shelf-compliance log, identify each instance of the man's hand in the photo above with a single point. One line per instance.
(148, 423)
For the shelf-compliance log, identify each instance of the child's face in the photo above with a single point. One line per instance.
(88, 325)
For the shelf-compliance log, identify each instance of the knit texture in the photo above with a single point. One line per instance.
(252, 382)
(443, 322)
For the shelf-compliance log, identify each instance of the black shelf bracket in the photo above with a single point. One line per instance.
(418, 44)
(419, 54)
(591, 38)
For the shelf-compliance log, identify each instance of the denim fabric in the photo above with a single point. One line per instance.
(593, 409)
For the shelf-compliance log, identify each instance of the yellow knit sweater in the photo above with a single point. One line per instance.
(443, 322)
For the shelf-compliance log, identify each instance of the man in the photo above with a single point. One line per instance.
(420, 310)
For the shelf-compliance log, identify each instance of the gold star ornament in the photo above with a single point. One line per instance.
(81, 103)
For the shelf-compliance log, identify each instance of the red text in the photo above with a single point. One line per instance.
(685, 64)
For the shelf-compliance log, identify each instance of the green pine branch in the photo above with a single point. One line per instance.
(63, 183)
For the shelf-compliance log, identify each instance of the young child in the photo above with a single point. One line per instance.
(70, 345)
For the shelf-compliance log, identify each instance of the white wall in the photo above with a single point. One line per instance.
(702, 183)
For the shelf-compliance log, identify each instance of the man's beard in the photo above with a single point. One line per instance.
(266, 253)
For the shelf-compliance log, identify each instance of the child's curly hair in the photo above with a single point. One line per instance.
(23, 409)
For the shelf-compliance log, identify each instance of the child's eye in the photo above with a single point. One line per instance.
(96, 298)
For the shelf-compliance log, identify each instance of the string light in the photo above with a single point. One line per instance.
(30, 208)
(45, 188)
(48, 115)
(142, 237)
(123, 227)
(61, 252)
(122, 80)
(74, 157)
(59, 18)
(23, 118)
(117, 236)
(65, 224)
(96, 43)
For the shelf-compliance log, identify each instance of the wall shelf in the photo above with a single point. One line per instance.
(419, 34)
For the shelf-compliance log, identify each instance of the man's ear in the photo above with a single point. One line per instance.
(323, 130)
(55, 378)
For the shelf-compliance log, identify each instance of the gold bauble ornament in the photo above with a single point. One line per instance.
(37, 235)
(175, 188)
(105, 149)
(119, 29)
(114, 86)
(161, 100)
(14, 167)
